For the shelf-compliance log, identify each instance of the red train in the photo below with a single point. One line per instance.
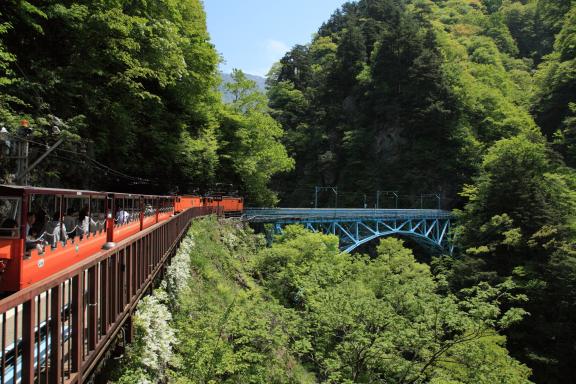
(45, 230)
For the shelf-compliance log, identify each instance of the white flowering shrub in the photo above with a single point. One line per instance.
(152, 350)
(178, 273)
(154, 333)
(213, 252)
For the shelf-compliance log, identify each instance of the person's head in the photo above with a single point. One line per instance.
(57, 215)
(70, 212)
(31, 218)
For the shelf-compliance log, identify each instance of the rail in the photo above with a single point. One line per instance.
(57, 330)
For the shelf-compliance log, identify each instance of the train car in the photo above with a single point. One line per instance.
(187, 201)
(231, 205)
(45, 230)
(32, 227)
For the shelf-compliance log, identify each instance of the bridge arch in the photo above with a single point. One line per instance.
(417, 237)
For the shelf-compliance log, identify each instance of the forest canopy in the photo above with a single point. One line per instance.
(302, 312)
(473, 101)
(132, 85)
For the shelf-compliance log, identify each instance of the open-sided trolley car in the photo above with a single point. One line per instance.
(45, 230)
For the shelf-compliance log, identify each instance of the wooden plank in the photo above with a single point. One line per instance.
(55, 372)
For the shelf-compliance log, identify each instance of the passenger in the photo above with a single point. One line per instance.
(70, 222)
(32, 240)
(30, 222)
(122, 217)
(85, 222)
(56, 230)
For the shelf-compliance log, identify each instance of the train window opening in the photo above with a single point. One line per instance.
(46, 221)
(97, 214)
(166, 205)
(136, 208)
(10, 217)
(42, 209)
(74, 206)
(149, 207)
(126, 210)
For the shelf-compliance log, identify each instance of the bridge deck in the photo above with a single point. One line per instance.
(285, 215)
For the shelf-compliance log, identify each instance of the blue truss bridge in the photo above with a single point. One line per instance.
(354, 227)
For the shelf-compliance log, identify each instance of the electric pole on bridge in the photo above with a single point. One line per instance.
(318, 189)
(435, 196)
(387, 193)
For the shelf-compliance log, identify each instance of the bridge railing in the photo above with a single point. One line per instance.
(295, 214)
(56, 331)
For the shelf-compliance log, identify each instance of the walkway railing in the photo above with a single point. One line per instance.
(56, 331)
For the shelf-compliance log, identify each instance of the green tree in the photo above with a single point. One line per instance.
(250, 137)
(518, 222)
(383, 319)
(134, 80)
(556, 79)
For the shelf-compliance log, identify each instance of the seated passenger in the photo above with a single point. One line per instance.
(122, 217)
(70, 222)
(31, 220)
(85, 222)
(32, 240)
(56, 230)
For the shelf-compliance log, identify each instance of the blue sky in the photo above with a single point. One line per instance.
(253, 34)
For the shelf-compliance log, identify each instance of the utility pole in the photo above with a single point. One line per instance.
(22, 148)
(387, 193)
(436, 196)
(24, 175)
(22, 151)
(318, 189)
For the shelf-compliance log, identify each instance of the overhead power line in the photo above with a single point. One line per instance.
(94, 162)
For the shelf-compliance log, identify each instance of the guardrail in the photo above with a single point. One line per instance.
(57, 330)
(268, 215)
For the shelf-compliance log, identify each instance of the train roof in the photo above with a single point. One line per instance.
(16, 190)
(19, 189)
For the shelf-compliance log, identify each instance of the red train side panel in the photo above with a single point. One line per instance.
(231, 205)
(187, 201)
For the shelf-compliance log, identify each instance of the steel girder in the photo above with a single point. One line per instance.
(431, 232)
